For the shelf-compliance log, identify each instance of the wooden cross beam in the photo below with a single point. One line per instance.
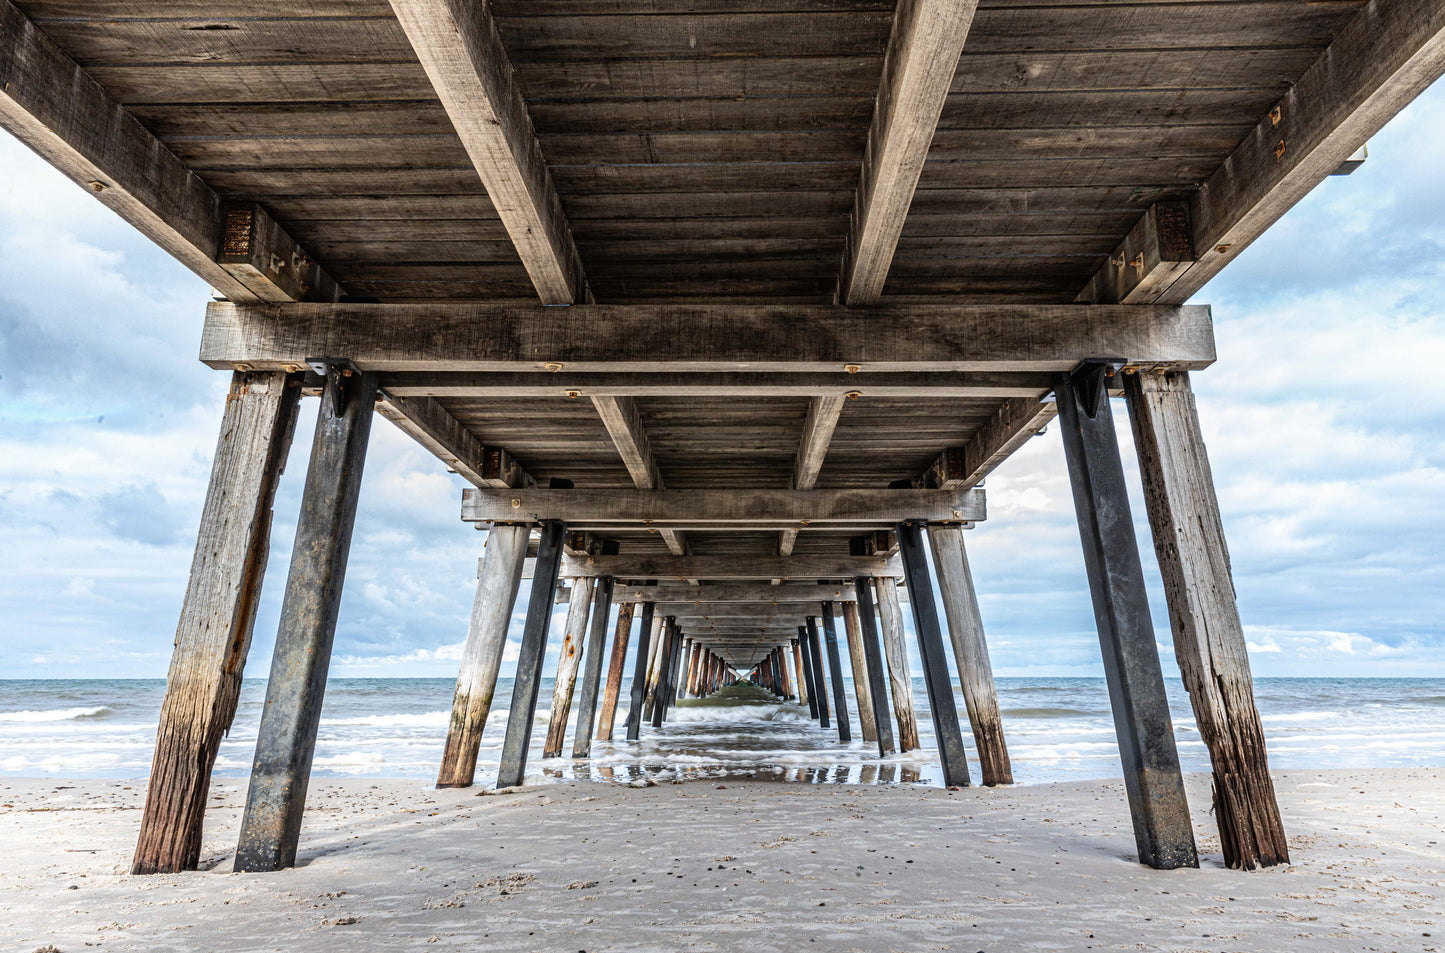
(726, 567)
(477, 336)
(720, 593)
(624, 424)
(597, 385)
(1383, 58)
(818, 427)
(918, 67)
(596, 509)
(462, 52)
(53, 106)
(959, 468)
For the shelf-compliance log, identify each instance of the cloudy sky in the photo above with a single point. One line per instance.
(1323, 418)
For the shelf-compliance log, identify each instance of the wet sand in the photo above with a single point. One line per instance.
(388, 865)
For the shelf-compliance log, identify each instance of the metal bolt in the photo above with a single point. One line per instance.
(852, 368)
(552, 367)
(97, 186)
(516, 503)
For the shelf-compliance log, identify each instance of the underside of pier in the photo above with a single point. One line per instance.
(725, 311)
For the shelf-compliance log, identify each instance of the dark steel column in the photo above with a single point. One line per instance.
(1126, 632)
(528, 681)
(286, 743)
(592, 668)
(815, 658)
(873, 654)
(639, 673)
(835, 668)
(946, 729)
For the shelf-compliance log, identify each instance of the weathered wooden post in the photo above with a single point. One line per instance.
(528, 681)
(654, 667)
(815, 659)
(835, 669)
(592, 670)
(217, 616)
(671, 659)
(1126, 633)
(286, 743)
(804, 690)
(694, 669)
(674, 675)
(877, 689)
(788, 691)
(620, 640)
(814, 689)
(970, 652)
(568, 661)
(941, 706)
(646, 644)
(860, 671)
(498, 580)
(891, 617)
(1208, 636)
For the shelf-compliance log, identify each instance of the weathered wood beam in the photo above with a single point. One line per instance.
(474, 336)
(723, 508)
(807, 384)
(729, 567)
(430, 424)
(1209, 641)
(918, 68)
(1383, 58)
(218, 615)
(1155, 253)
(818, 427)
(624, 424)
(718, 594)
(462, 52)
(744, 610)
(53, 106)
(1016, 421)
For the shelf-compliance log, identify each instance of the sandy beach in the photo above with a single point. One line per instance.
(756, 865)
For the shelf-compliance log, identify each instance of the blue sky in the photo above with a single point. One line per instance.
(1323, 418)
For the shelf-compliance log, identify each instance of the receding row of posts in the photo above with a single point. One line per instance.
(219, 610)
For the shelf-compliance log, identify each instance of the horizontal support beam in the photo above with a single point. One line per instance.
(734, 592)
(731, 508)
(726, 567)
(745, 610)
(55, 107)
(595, 384)
(462, 336)
(1014, 424)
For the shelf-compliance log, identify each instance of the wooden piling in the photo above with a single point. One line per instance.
(654, 667)
(497, 584)
(671, 644)
(620, 640)
(835, 669)
(1209, 639)
(592, 668)
(569, 659)
(1126, 632)
(217, 616)
(646, 645)
(694, 669)
(286, 742)
(970, 652)
(815, 658)
(803, 697)
(528, 681)
(859, 665)
(808, 673)
(674, 674)
(873, 656)
(941, 706)
(890, 617)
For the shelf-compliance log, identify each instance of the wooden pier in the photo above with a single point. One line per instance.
(725, 311)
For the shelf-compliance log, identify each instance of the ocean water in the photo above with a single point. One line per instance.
(1056, 728)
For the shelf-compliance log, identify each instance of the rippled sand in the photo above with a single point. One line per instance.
(388, 865)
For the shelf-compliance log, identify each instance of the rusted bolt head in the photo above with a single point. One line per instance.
(574, 394)
(552, 366)
(852, 368)
(97, 186)
(853, 394)
(516, 503)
